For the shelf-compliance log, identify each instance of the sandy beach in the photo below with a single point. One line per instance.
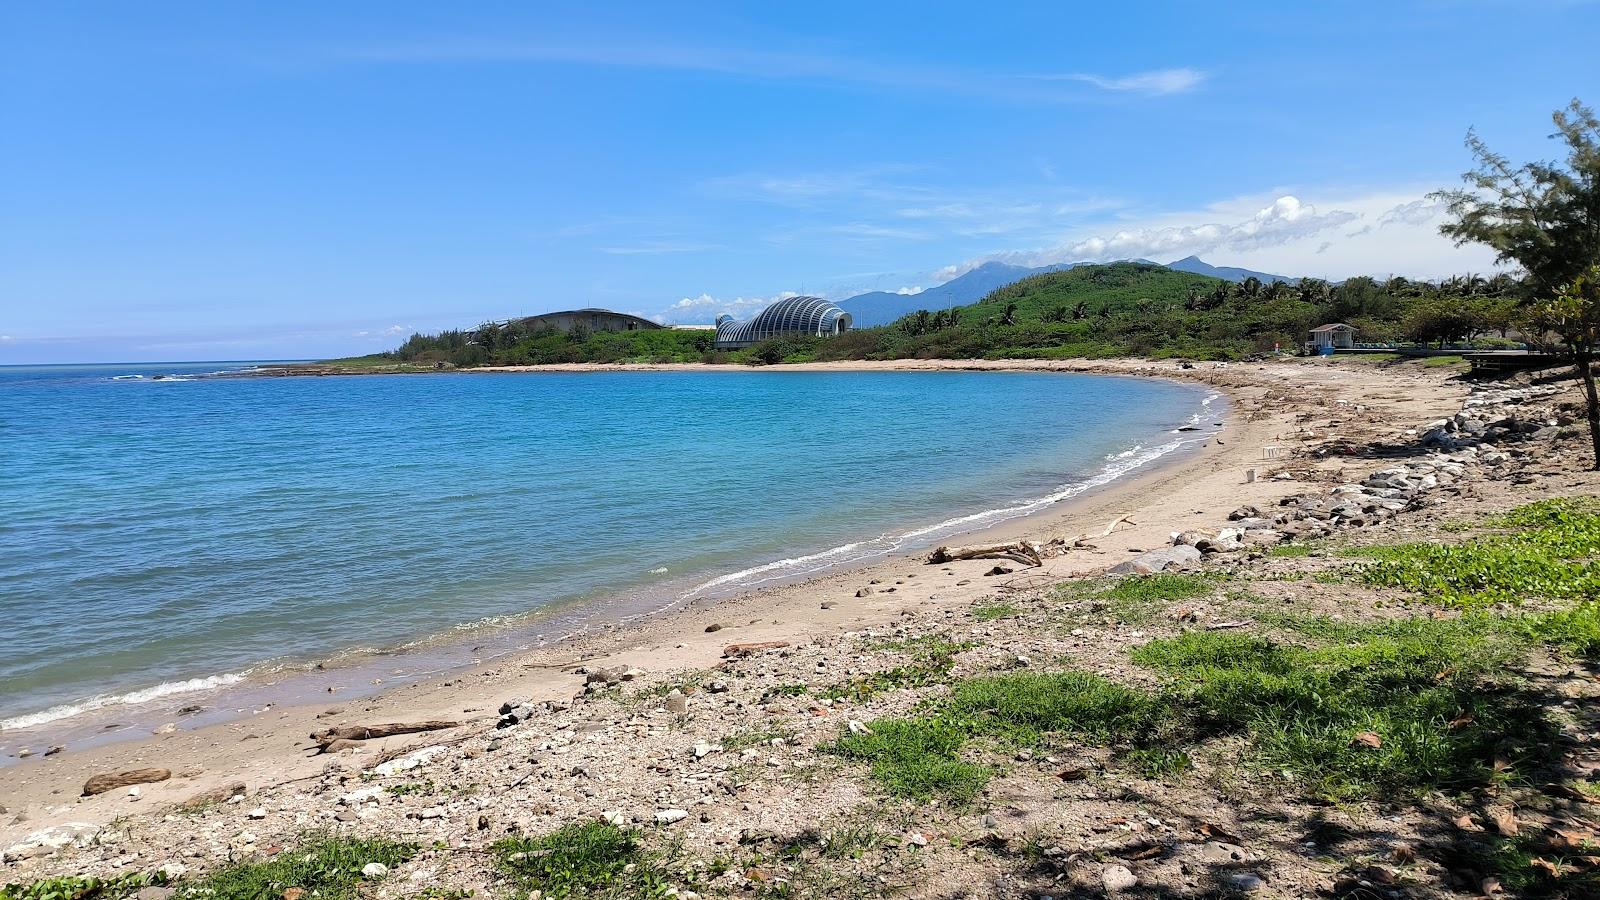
(1287, 405)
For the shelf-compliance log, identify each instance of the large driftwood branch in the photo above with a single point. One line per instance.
(1024, 552)
(327, 738)
(1126, 517)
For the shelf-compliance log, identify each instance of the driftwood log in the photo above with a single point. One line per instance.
(1025, 552)
(328, 738)
(99, 784)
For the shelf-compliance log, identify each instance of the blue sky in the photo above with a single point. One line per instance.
(285, 180)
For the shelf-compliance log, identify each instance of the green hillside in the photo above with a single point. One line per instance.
(1119, 285)
(1120, 309)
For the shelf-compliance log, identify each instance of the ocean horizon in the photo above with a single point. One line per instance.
(171, 529)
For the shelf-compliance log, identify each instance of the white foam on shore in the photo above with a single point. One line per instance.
(1119, 465)
(144, 695)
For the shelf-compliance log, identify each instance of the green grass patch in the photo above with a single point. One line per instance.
(76, 887)
(1575, 631)
(989, 612)
(1158, 588)
(328, 868)
(1549, 554)
(1437, 362)
(588, 859)
(1137, 598)
(918, 758)
(1026, 707)
(1431, 692)
(921, 757)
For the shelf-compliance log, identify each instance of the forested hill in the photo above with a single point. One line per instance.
(1120, 309)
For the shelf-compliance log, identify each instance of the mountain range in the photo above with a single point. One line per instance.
(882, 307)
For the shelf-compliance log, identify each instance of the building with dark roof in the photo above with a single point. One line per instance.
(793, 317)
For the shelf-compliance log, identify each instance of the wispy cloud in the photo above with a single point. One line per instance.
(659, 248)
(775, 65)
(1154, 83)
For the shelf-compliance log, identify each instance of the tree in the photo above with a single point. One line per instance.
(1544, 217)
(1313, 290)
(1574, 313)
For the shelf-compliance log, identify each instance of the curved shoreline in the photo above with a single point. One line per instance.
(112, 717)
(1269, 404)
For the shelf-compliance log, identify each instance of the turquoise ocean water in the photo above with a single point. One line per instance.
(164, 533)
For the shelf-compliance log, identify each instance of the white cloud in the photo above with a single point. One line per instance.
(909, 291)
(1416, 212)
(1284, 220)
(1395, 232)
(6, 338)
(391, 331)
(705, 307)
(1155, 83)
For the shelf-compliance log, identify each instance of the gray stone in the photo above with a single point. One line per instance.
(1161, 560)
(1117, 878)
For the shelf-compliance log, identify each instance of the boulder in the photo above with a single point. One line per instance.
(1162, 560)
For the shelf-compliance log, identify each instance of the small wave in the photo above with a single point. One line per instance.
(799, 566)
(167, 689)
(127, 378)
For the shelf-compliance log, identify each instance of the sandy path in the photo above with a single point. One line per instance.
(1281, 404)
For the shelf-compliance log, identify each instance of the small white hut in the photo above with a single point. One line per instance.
(1333, 336)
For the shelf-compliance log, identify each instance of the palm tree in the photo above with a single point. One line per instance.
(1250, 289)
(1080, 311)
(1009, 317)
(1313, 290)
(1275, 291)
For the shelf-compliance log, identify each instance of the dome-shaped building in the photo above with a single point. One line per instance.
(795, 316)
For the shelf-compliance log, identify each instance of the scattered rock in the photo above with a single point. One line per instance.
(669, 816)
(713, 627)
(1244, 882)
(374, 870)
(1117, 878)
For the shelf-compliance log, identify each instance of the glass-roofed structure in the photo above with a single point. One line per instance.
(795, 316)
